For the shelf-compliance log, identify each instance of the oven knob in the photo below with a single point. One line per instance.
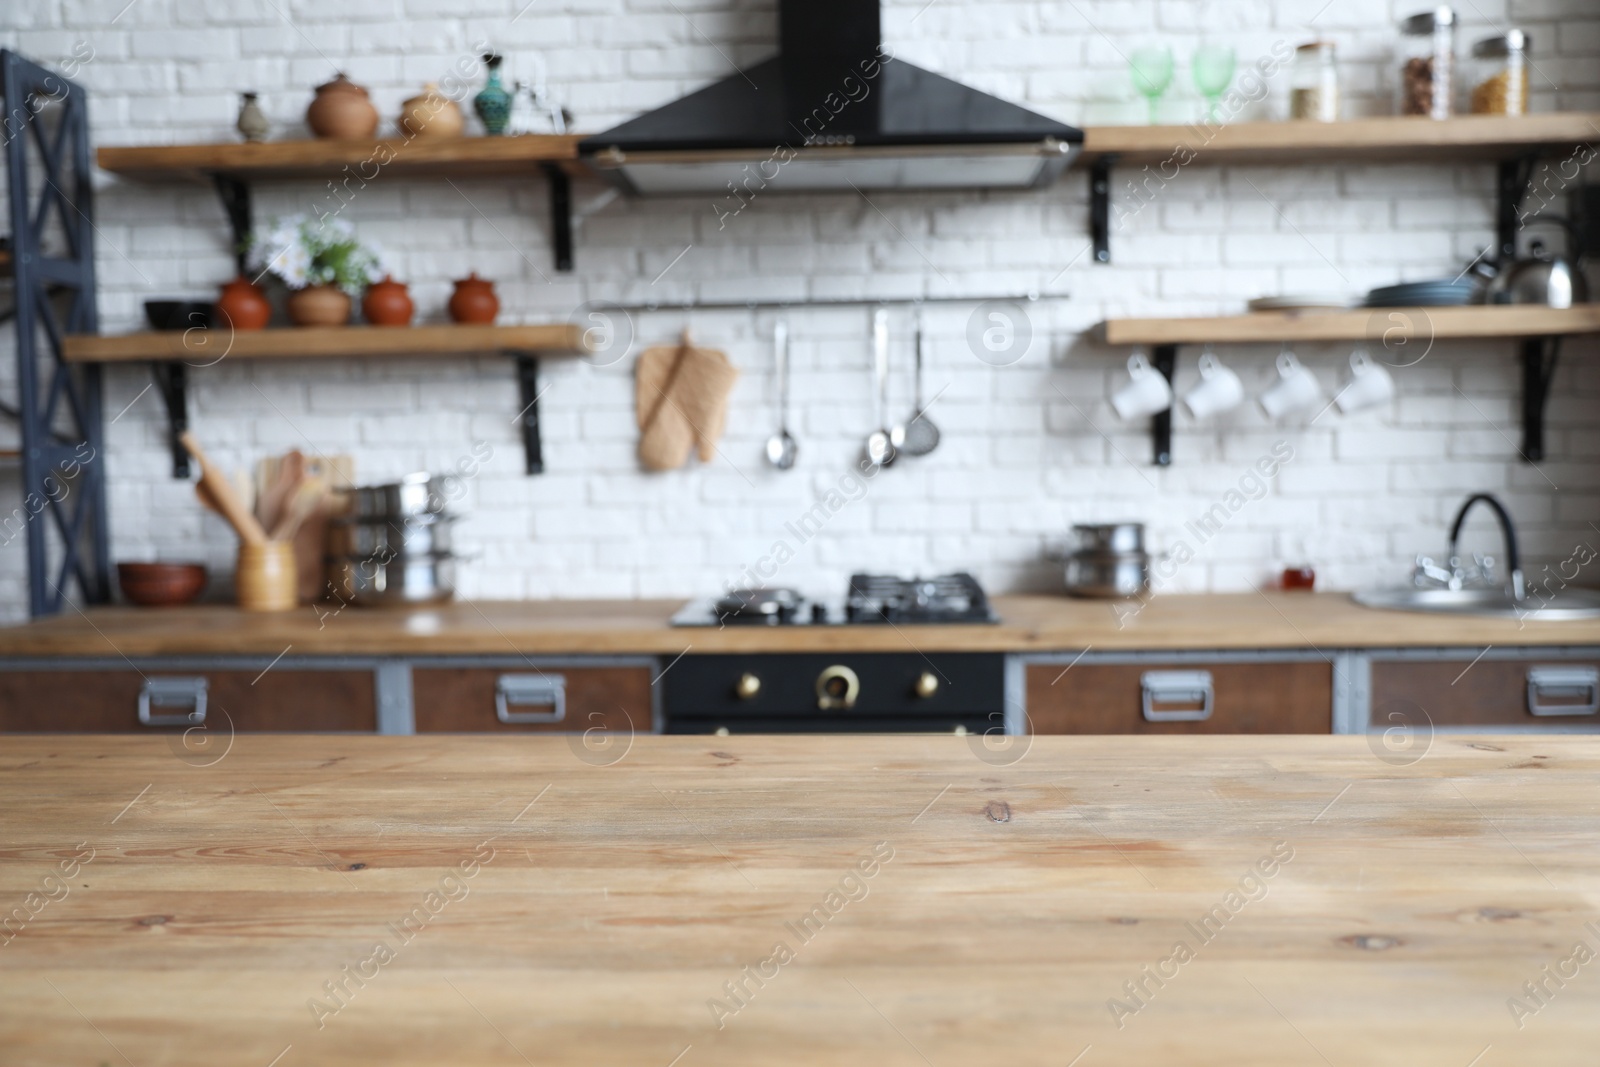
(747, 686)
(927, 684)
(837, 688)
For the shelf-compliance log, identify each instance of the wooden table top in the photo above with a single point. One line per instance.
(574, 627)
(873, 901)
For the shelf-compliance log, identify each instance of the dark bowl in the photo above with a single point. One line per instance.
(177, 314)
(154, 585)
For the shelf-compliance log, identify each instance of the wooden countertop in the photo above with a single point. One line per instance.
(486, 904)
(614, 627)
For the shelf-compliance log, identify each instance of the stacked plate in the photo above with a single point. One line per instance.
(1441, 293)
(1301, 302)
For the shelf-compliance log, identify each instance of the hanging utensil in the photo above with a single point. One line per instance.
(880, 449)
(919, 436)
(781, 448)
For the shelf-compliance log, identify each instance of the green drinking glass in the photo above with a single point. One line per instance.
(1151, 70)
(1213, 73)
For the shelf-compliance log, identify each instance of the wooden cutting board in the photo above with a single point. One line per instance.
(543, 901)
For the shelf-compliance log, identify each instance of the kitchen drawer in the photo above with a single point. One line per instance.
(524, 699)
(1490, 692)
(107, 701)
(1290, 697)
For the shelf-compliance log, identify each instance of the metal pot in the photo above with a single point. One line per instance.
(393, 579)
(411, 535)
(1540, 278)
(415, 494)
(1109, 537)
(1108, 575)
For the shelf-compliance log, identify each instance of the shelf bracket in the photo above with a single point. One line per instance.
(1537, 372)
(1165, 359)
(1100, 207)
(235, 197)
(527, 365)
(560, 215)
(172, 383)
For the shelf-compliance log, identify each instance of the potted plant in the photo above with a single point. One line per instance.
(321, 262)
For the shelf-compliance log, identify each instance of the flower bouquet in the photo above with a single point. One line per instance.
(321, 262)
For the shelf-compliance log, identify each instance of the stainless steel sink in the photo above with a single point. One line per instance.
(1567, 605)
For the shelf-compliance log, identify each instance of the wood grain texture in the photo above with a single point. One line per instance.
(574, 627)
(462, 700)
(1378, 326)
(354, 161)
(281, 699)
(1249, 698)
(202, 348)
(1459, 693)
(1388, 139)
(612, 903)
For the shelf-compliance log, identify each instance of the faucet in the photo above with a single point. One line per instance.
(1427, 570)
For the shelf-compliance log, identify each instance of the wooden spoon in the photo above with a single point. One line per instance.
(227, 501)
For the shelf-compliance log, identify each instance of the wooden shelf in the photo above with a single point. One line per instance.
(419, 156)
(1381, 140)
(201, 348)
(1360, 324)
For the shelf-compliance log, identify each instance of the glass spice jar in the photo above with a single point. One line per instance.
(1314, 83)
(1427, 67)
(1500, 74)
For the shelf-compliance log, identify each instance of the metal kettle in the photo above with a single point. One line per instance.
(1539, 278)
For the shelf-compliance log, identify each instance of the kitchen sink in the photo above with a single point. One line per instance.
(1566, 605)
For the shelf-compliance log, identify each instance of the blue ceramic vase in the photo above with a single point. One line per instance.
(493, 103)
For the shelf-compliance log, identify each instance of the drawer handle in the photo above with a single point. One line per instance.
(523, 690)
(173, 693)
(1566, 684)
(1176, 687)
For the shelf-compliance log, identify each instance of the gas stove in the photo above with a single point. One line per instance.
(871, 599)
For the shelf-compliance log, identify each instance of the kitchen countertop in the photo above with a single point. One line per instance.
(484, 903)
(574, 627)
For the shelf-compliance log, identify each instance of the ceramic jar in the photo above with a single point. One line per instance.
(252, 124)
(341, 109)
(319, 305)
(430, 114)
(242, 305)
(387, 303)
(493, 103)
(474, 301)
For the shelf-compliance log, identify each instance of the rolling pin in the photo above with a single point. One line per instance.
(222, 494)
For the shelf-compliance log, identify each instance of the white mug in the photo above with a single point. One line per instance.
(1370, 384)
(1296, 388)
(1218, 389)
(1148, 393)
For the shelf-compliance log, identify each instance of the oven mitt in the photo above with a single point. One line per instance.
(681, 401)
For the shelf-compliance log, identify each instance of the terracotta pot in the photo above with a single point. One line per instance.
(341, 109)
(429, 114)
(319, 305)
(474, 300)
(242, 305)
(387, 303)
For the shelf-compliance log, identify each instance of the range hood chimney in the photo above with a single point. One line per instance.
(833, 111)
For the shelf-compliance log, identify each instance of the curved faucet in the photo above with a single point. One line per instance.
(1513, 562)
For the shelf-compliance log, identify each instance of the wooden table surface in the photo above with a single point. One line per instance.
(573, 627)
(507, 902)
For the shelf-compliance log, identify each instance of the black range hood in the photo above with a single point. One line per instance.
(832, 111)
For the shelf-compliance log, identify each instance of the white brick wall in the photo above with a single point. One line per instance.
(1027, 449)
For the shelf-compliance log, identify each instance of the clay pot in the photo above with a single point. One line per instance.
(319, 305)
(242, 305)
(429, 114)
(387, 303)
(341, 109)
(474, 301)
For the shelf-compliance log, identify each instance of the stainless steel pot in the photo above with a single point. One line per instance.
(1108, 575)
(415, 494)
(411, 535)
(392, 579)
(1109, 537)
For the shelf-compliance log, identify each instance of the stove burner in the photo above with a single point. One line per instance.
(946, 598)
(761, 606)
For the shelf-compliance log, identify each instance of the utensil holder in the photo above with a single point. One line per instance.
(266, 577)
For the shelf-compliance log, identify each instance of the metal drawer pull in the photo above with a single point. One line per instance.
(1566, 684)
(173, 693)
(1176, 687)
(540, 690)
